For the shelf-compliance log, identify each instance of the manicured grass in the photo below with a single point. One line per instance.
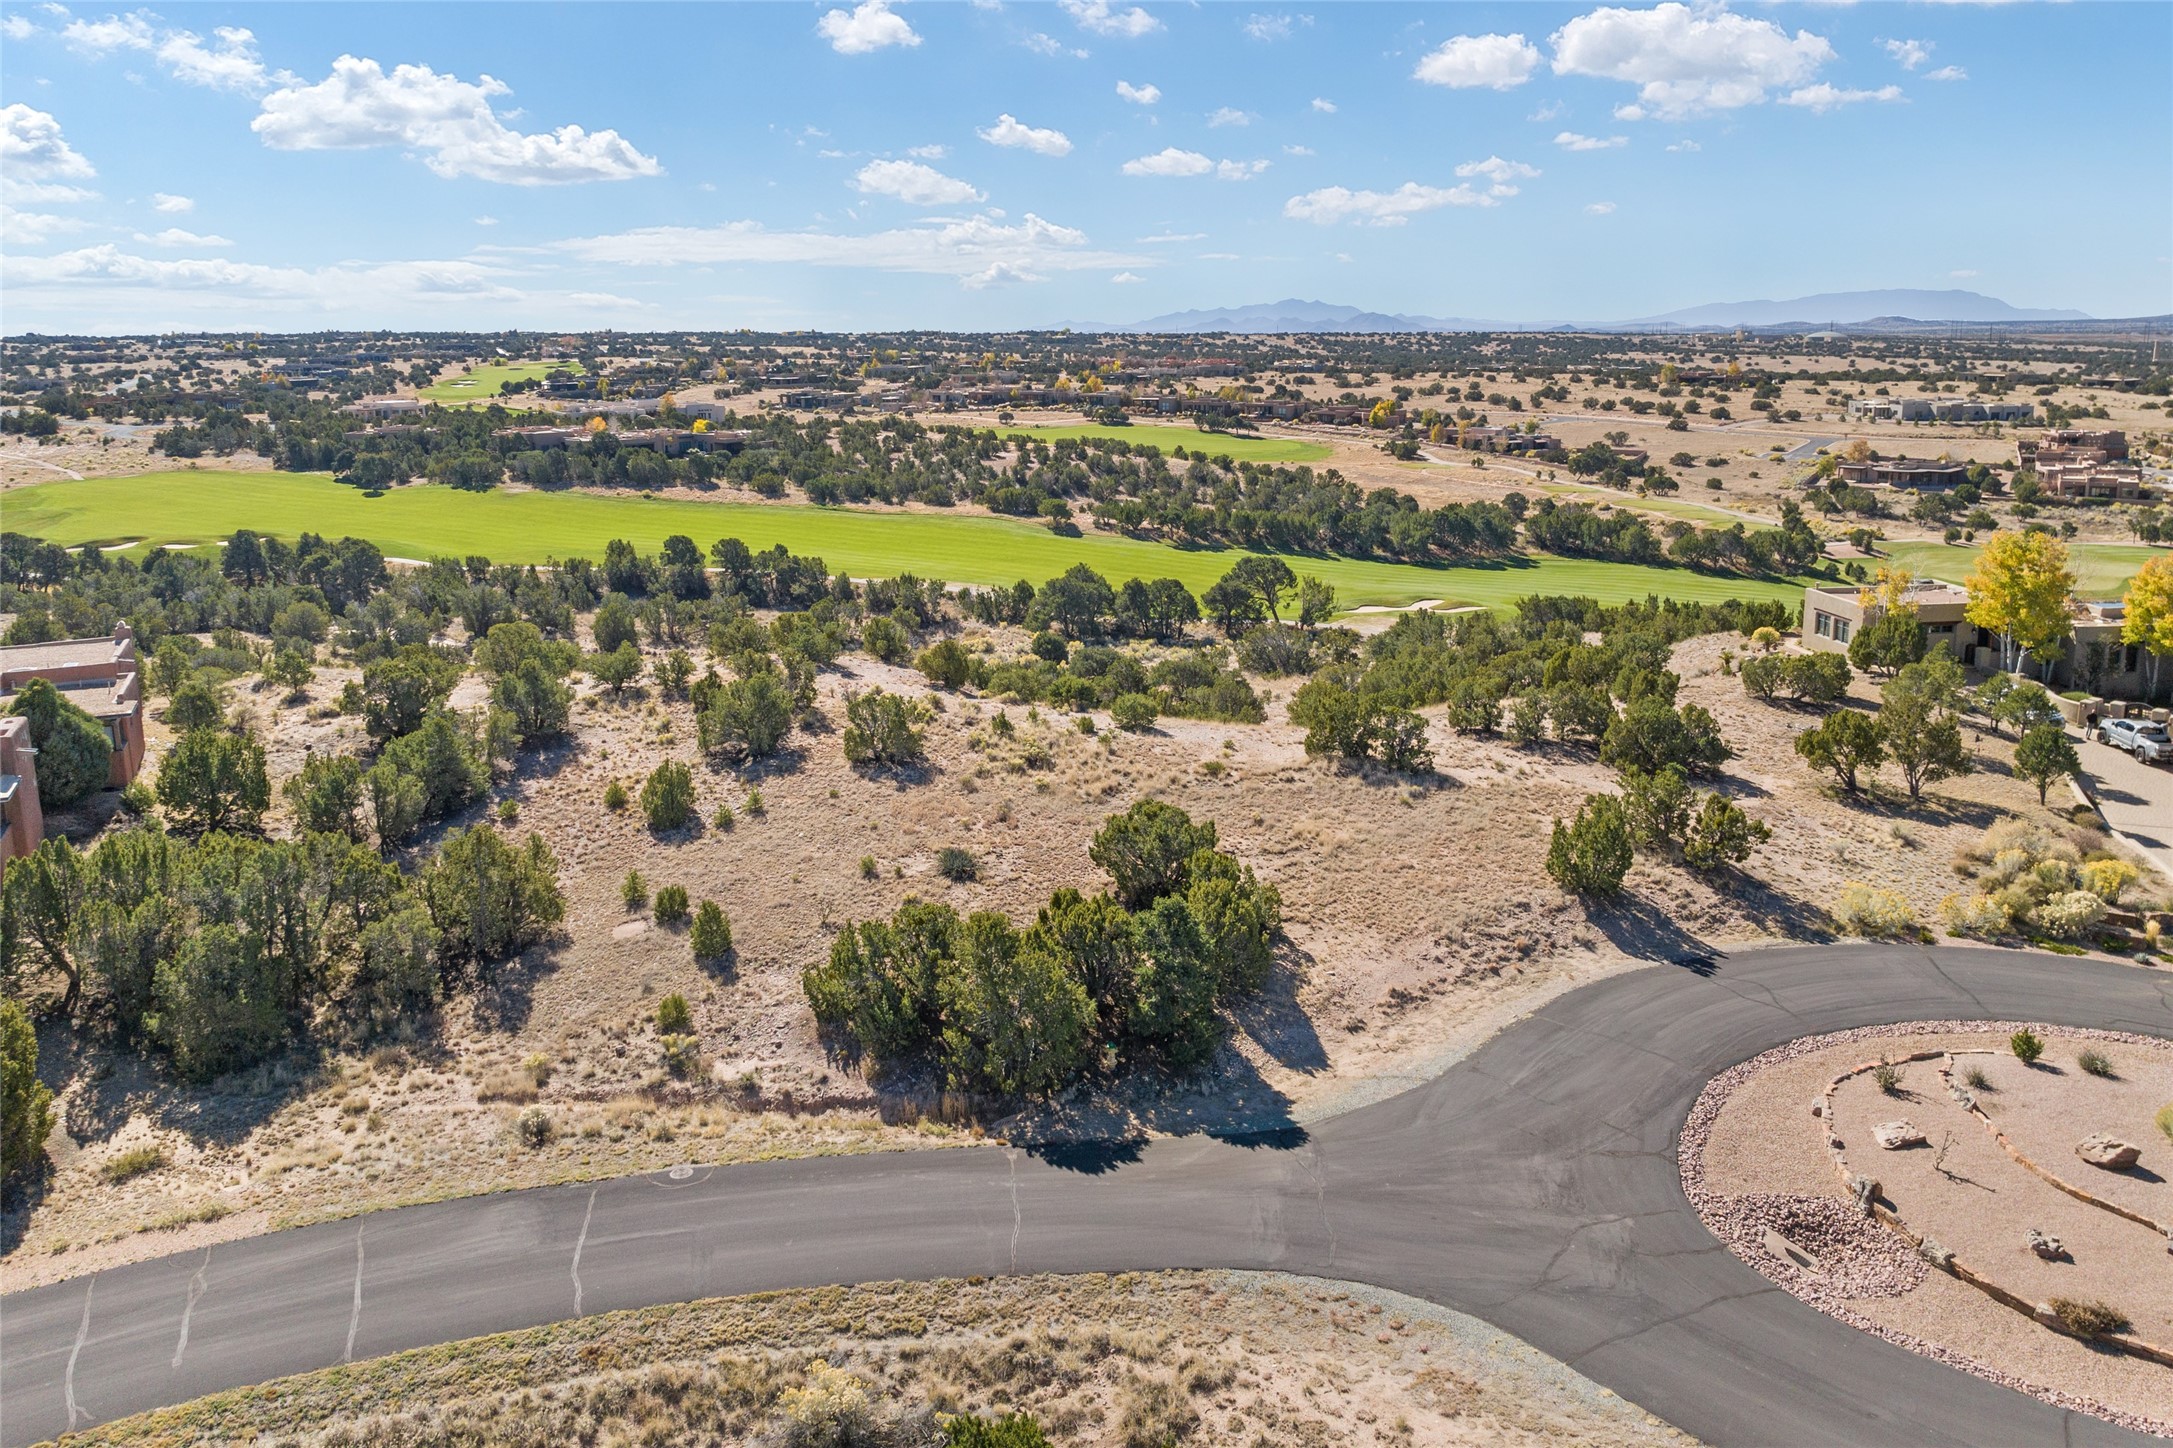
(2102, 570)
(490, 379)
(421, 521)
(1214, 444)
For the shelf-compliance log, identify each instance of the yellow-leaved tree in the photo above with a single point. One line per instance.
(2019, 590)
(2149, 616)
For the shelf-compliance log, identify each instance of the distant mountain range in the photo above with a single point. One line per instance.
(1828, 309)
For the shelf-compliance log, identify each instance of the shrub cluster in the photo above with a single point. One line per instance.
(1136, 973)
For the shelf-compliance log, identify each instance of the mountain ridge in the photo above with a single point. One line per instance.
(1823, 309)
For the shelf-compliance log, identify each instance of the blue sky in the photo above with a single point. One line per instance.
(840, 165)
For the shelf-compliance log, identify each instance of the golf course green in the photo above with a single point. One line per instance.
(489, 380)
(1214, 444)
(421, 521)
(2102, 570)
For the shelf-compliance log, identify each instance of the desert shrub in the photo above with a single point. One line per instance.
(1874, 912)
(1148, 850)
(2164, 1120)
(1154, 1413)
(1815, 678)
(1721, 835)
(671, 905)
(711, 936)
(2027, 1046)
(946, 664)
(1975, 915)
(956, 865)
(2096, 1063)
(1976, 1079)
(2067, 915)
(614, 796)
(674, 1017)
(2107, 879)
(667, 796)
(1591, 854)
(1013, 1430)
(326, 796)
(680, 1054)
(1134, 711)
(831, 1409)
(1657, 806)
(885, 639)
(2089, 1319)
(533, 1128)
(747, 718)
(1887, 1077)
(634, 893)
(73, 757)
(1526, 722)
(26, 1103)
(131, 1164)
(883, 728)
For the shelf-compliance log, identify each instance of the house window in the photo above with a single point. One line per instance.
(1840, 630)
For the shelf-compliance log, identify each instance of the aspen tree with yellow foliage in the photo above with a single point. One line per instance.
(2019, 590)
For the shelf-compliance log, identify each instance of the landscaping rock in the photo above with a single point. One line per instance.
(2051, 1249)
(1894, 1135)
(2102, 1149)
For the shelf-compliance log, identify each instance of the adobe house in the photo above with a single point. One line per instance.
(2094, 657)
(22, 821)
(98, 676)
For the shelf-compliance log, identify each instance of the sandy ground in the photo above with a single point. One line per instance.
(1211, 1357)
(1420, 921)
(1961, 1190)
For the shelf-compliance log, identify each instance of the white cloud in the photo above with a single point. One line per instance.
(1551, 111)
(1325, 106)
(1230, 116)
(230, 64)
(1687, 62)
(968, 248)
(1103, 19)
(448, 119)
(914, 184)
(33, 228)
(1467, 61)
(1571, 141)
(115, 32)
(1686, 146)
(1297, 150)
(1274, 27)
(1503, 175)
(1125, 278)
(1009, 131)
(929, 152)
(99, 274)
(15, 27)
(1823, 97)
(1172, 238)
(175, 236)
(1963, 274)
(486, 221)
(1908, 54)
(1333, 204)
(1239, 170)
(170, 204)
(33, 152)
(1169, 162)
(1139, 95)
(999, 274)
(1947, 72)
(870, 25)
(1044, 44)
(1600, 208)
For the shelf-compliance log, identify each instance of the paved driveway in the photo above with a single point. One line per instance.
(2135, 798)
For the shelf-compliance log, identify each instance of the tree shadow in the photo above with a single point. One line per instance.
(1272, 1019)
(1089, 1158)
(1642, 930)
(503, 996)
(901, 777)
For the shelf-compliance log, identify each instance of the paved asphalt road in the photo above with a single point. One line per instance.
(1532, 1185)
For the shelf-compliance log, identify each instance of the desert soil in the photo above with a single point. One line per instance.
(1960, 1189)
(1148, 1358)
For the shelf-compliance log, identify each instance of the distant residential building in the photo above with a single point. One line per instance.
(2079, 463)
(98, 676)
(384, 407)
(1937, 409)
(1920, 474)
(22, 820)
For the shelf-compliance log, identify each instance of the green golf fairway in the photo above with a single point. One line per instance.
(2102, 570)
(1214, 444)
(489, 380)
(422, 521)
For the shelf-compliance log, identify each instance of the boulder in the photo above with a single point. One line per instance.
(2102, 1149)
(1894, 1135)
(2051, 1249)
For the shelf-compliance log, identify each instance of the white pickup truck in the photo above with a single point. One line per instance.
(2146, 741)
